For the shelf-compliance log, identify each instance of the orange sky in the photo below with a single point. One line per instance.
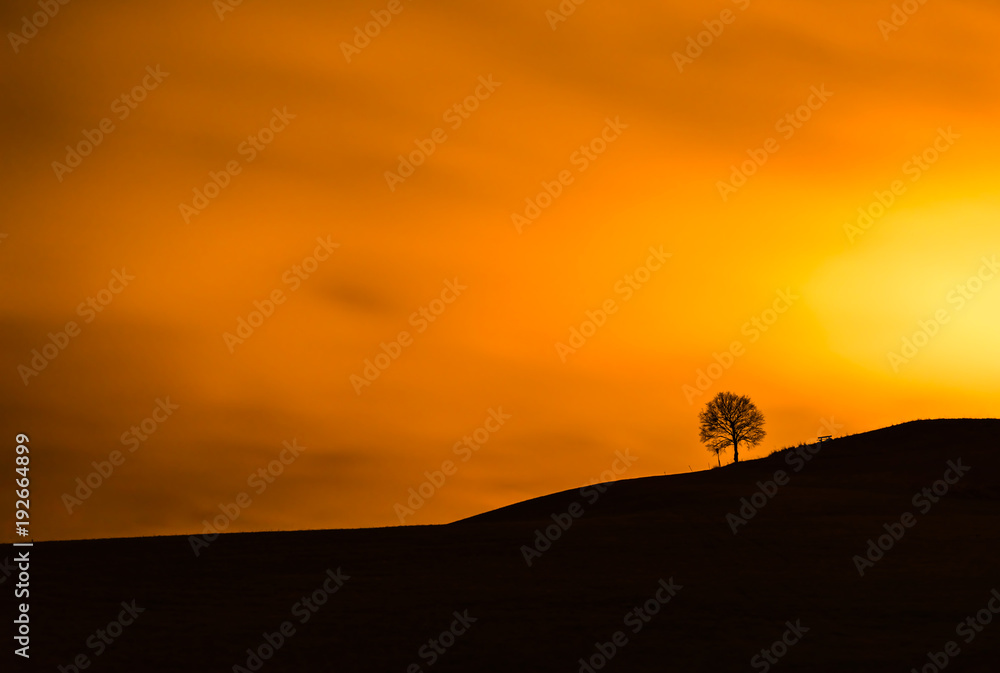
(633, 140)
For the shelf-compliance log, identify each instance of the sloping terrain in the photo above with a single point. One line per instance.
(711, 599)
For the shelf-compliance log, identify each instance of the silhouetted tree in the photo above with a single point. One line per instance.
(717, 449)
(729, 419)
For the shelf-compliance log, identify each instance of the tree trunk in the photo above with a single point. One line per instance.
(736, 450)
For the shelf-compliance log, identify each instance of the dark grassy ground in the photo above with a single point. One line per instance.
(792, 561)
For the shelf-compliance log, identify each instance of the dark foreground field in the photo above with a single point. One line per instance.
(730, 597)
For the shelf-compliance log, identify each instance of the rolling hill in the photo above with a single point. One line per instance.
(773, 563)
